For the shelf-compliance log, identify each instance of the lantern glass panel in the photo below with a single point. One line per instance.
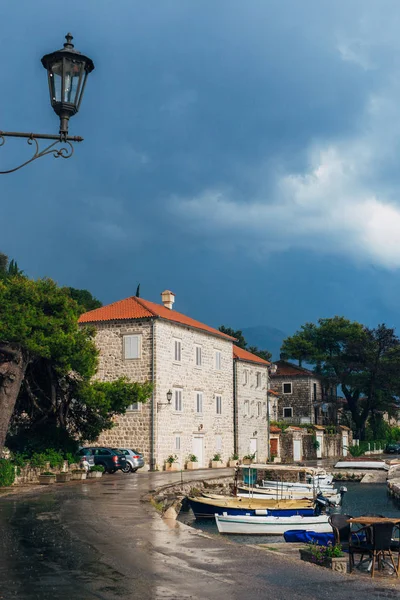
(72, 79)
(56, 81)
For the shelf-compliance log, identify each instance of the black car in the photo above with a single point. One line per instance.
(108, 458)
(392, 448)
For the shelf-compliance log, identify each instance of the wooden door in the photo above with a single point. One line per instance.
(274, 446)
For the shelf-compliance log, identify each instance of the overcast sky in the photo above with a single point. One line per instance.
(244, 155)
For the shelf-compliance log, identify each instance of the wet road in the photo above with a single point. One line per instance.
(97, 540)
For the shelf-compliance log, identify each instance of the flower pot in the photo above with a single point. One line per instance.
(80, 475)
(216, 464)
(233, 463)
(171, 467)
(47, 479)
(191, 466)
(95, 474)
(247, 461)
(339, 563)
(63, 477)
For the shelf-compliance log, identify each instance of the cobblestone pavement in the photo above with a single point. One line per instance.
(98, 540)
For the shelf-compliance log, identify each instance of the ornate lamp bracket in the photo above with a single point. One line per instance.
(65, 151)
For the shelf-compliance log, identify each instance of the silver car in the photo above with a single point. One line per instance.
(134, 460)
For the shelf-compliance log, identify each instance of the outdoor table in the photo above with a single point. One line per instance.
(369, 521)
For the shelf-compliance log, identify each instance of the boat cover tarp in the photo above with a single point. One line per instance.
(308, 537)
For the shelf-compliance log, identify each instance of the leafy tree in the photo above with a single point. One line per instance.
(47, 362)
(364, 361)
(242, 343)
(84, 298)
(8, 269)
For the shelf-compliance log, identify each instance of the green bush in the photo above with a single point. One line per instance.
(19, 459)
(97, 468)
(38, 460)
(357, 450)
(7, 472)
(72, 458)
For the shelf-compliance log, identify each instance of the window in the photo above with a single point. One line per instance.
(287, 388)
(198, 356)
(258, 380)
(177, 442)
(246, 408)
(245, 377)
(288, 412)
(135, 407)
(259, 409)
(218, 442)
(218, 360)
(315, 392)
(218, 405)
(199, 402)
(132, 346)
(177, 350)
(178, 400)
(102, 452)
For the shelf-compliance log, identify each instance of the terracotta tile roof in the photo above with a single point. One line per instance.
(137, 308)
(274, 429)
(286, 369)
(241, 354)
(273, 393)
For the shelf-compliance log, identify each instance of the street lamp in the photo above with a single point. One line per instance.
(169, 398)
(67, 71)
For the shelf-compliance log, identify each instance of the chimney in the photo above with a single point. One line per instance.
(168, 298)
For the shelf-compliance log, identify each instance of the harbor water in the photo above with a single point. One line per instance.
(360, 499)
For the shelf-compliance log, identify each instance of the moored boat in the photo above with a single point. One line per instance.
(259, 493)
(270, 525)
(207, 507)
(363, 463)
(288, 485)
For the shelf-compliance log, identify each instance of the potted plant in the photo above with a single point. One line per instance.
(216, 461)
(248, 459)
(171, 463)
(63, 477)
(47, 478)
(192, 462)
(233, 461)
(330, 557)
(96, 471)
(78, 474)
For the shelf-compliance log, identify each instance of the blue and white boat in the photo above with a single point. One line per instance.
(270, 525)
(205, 508)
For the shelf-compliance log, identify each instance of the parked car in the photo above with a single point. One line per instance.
(392, 448)
(134, 459)
(110, 459)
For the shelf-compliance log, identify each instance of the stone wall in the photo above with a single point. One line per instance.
(212, 428)
(252, 409)
(332, 445)
(301, 400)
(131, 430)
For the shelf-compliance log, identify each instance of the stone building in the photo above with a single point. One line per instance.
(251, 396)
(190, 364)
(302, 397)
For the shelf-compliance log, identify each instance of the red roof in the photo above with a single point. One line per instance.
(136, 308)
(273, 393)
(274, 429)
(241, 354)
(291, 370)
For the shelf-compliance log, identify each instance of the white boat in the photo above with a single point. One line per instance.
(362, 464)
(246, 525)
(258, 493)
(288, 485)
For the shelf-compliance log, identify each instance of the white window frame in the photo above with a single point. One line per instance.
(177, 442)
(178, 400)
(245, 377)
(137, 405)
(198, 358)
(125, 339)
(218, 404)
(199, 403)
(258, 379)
(218, 360)
(291, 388)
(246, 408)
(291, 412)
(218, 442)
(259, 409)
(177, 350)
